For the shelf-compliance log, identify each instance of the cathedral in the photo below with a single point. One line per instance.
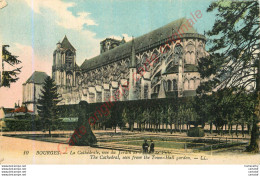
(147, 67)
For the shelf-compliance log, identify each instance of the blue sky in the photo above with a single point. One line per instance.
(33, 27)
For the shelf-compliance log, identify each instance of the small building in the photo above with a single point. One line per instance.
(32, 90)
(5, 112)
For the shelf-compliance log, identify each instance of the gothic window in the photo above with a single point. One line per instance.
(178, 54)
(146, 91)
(69, 79)
(158, 88)
(125, 93)
(106, 95)
(91, 98)
(190, 54)
(174, 85)
(166, 50)
(169, 85)
(77, 79)
(186, 84)
(99, 97)
(107, 46)
(192, 84)
(200, 51)
(69, 58)
(60, 79)
(154, 89)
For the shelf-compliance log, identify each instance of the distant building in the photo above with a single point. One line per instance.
(5, 112)
(32, 89)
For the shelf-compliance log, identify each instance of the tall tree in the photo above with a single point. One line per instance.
(234, 43)
(47, 108)
(9, 76)
(171, 113)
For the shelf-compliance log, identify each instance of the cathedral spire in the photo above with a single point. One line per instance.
(133, 58)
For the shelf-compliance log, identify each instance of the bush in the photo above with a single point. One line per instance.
(23, 125)
(36, 125)
(196, 132)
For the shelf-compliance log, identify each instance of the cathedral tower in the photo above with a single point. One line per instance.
(64, 64)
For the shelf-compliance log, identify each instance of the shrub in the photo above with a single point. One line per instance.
(196, 132)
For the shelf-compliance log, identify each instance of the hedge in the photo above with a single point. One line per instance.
(196, 132)
(35, 125)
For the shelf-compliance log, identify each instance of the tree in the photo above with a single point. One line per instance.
(171, 115)
(116, 117)
(9, 77)
(49, 98)
(234, 43)
(146, 117)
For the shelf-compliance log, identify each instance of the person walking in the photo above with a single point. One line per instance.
(145, 146)
(152, 147)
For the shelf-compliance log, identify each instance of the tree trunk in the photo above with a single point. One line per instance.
(50, 131)
(210, 126)
(248, 129)
(254, 141)
(231, 129)
(236, 129)
(171, 128)
(242, 130)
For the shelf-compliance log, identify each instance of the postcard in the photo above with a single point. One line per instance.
(129, 82)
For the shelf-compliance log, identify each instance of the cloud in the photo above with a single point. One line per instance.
(65, 18)
(30, 63)
(126, 36)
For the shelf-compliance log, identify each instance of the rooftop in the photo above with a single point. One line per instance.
(146, 41)
(37, 77)
(65, 44)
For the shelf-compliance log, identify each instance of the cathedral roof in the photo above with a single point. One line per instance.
(150, 40)
(37, 77)
(65, 44)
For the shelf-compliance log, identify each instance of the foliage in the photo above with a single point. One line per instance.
(10, 76)
(196, 132)
(233, 63)
(47, 108)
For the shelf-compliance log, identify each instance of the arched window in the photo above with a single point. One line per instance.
(69, 58)
(158, 88)
(186, 84)
(77, 79)
(174, 85)
(190, 54)
(200, 51)
(69, 79)
(99, 97)
(91, 98)
(169, 85)
(146, 91)
(192, 84)
(178, 54)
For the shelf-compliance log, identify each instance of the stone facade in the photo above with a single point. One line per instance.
(147, 67)
(32, 90)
